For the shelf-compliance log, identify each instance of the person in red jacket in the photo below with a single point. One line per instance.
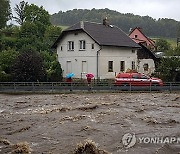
(69, 80)
(89, 80)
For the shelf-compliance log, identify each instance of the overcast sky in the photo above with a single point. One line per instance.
(154, 8)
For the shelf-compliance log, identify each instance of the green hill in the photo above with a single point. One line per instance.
(151, 27)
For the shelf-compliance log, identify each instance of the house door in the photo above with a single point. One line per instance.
(69, 67)
(84, 67)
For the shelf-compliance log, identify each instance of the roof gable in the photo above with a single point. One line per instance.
(145, 53)
(143, 36)
(103, 35)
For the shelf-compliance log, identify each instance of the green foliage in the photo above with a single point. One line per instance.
(7, 59)
(33, 40)
(39, 16)
(8, 38)
(162, 45)
(52, 66)
(5, 12)
(28, 67)
(28, 36)
(1, 39)
(51, 34)
(54, 72)
(178, 30)
(177, 51)
(20, 11)
(173, 52)
(35, 24)
(150, 26)
(169, 68)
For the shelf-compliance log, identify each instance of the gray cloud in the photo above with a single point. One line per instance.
(154, 8)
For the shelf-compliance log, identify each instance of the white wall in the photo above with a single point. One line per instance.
(115, 54)
(76, 57)
(151, 64)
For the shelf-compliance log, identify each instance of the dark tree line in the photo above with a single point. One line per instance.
(151, 27)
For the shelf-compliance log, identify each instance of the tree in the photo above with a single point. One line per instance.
(5, 12)
(52, 66)
(20, 11)
(1, 38)
(162, 45)
(39, 16)
(177, 51)
(28, 35)
(33, 29)
(50, 36)
(169, 68)
(9, 37)
(28, 67)
(29, 38)
(178, 30)
(7, 58)
(173, 52)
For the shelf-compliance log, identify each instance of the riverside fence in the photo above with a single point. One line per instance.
(81, 86)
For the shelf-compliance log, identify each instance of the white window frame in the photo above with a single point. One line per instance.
(82, 45)
(68, 66)
(70, 45)
(84, 67)
(110, 66)
(92, 46)
(133, 65)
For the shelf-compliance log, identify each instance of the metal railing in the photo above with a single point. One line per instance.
(81, 86)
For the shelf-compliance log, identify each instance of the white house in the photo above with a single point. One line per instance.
(101, 49)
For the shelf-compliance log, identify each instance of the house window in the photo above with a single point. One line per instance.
(133, 51)
(122, 66)
(92, 46)
(82, 44)
(84, 66)
(61, 48)
(110, 66)
(133, 65)
(146, 67)
(70, 46)
(69, 67)
(135, 36)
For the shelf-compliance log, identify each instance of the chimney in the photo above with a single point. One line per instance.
(105, 22)
(82, 24)
(130, 30)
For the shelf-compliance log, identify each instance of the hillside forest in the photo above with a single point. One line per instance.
(151, 27)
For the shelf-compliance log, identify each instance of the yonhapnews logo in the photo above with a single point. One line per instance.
(130, 139)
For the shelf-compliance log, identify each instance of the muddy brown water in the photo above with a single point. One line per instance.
(55, 124)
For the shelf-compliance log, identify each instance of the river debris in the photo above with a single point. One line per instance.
(89, 147)
(18, 148)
